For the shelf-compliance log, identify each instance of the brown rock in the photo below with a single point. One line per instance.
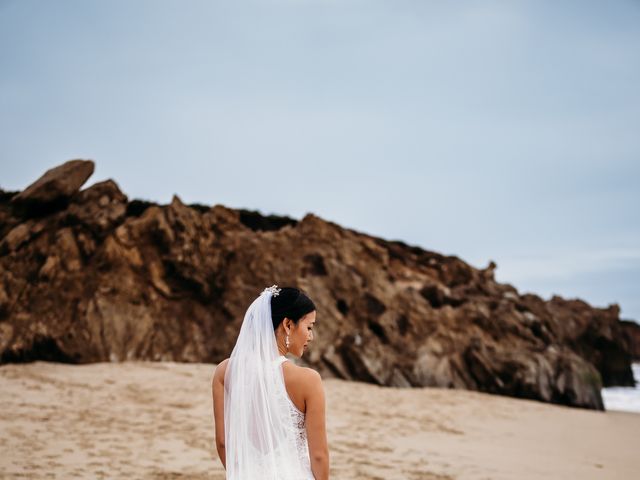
(631, 332)
(99, 208)
(16, 237)
(54, 188)
(104, 278)
(5, 301)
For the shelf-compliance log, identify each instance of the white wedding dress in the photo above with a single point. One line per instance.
(265, 434)
(300, 431)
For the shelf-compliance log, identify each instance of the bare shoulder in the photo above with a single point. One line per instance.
(303, 378)
(311, 375)
(312, 389)
(218, 375)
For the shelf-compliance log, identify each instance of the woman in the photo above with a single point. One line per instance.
(269, 413)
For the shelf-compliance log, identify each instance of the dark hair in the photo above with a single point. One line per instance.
(290, 303)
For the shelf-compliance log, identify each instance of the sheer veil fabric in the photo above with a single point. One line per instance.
(260, 437)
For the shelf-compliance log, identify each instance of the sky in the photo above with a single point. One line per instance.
(494, 130)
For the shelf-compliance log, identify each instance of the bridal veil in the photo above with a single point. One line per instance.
(260, 438)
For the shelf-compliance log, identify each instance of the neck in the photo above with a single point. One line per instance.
(282, 349)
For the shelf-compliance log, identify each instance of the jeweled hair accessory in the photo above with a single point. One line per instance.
(275, 291)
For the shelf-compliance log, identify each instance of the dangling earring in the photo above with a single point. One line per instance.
(286, 341)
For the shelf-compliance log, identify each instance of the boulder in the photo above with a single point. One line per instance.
(631, 332)
(53, 190)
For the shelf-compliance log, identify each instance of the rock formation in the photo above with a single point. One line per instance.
(54, 189)
(631, 331)
(87, 275)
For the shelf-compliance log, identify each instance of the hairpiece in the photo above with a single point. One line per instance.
(275, 291)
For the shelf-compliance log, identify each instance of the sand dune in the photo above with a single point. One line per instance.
(154, 420)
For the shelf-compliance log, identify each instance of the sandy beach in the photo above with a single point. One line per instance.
(154, 421)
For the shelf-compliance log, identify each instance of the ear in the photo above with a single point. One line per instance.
(286, 323)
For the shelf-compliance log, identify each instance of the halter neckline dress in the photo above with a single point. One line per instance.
(298, 419)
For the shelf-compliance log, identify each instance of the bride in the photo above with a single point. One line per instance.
(269, 413)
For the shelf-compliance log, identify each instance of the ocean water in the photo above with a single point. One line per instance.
(624, 398)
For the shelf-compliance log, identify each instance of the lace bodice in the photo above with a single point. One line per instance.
(298, 423)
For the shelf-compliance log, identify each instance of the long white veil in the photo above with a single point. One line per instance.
(259, 435)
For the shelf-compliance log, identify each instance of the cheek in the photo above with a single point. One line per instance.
(304, 334)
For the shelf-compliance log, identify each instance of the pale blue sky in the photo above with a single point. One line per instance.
(489, 130)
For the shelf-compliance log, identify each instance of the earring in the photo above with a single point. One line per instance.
(286, 341)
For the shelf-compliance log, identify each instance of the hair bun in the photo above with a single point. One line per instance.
(290, 303)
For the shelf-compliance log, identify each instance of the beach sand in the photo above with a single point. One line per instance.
(144, 420)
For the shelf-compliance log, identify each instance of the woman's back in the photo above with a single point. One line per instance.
(297, 380)
(299, 383)
(269, 413)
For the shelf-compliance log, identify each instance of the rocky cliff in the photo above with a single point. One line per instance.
(631, 332)
(87, 275)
